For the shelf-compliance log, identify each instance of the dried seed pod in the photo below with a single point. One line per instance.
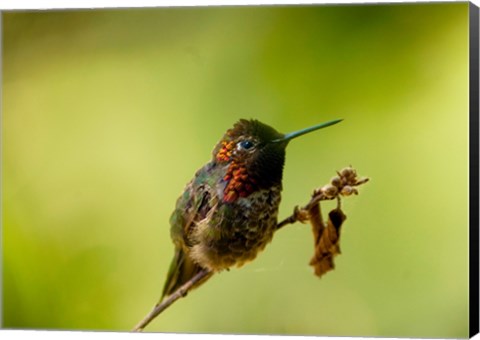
(348, 172)
(336, 181)
(348, 190)
(330, 191)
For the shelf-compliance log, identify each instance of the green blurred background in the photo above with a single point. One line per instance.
(107, 114)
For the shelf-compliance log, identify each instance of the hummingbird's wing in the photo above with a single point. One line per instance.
(192, 207)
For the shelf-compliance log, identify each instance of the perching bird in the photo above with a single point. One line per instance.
(228, 211)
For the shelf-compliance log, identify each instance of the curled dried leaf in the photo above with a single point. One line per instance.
(327, 240)
(326, 237)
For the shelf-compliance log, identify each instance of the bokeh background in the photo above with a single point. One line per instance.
(107, 114)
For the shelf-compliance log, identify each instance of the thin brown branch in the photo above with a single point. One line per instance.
(342, 185)
(165, 303)
(302, 214)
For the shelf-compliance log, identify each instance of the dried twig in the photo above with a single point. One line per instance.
(162, 305)
(342, 185)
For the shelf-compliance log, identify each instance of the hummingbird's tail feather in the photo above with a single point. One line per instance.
(182, 291)
(182, 269)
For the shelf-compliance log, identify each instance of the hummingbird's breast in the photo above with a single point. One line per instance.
(235, 232)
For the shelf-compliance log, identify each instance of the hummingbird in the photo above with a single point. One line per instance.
(228, 212)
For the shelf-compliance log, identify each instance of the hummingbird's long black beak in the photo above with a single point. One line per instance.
(289, 136)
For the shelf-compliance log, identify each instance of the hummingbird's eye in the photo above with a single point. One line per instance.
(245, 144)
